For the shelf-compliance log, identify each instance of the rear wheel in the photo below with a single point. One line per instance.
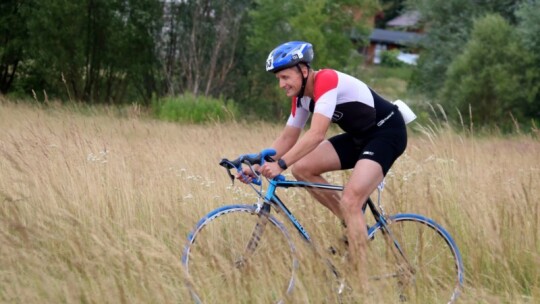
(414, 260)
(239, 254)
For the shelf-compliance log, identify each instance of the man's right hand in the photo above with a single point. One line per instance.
(247, 175)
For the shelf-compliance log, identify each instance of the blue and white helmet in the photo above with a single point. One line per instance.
(288, 55)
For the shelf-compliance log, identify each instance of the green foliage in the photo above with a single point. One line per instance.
(389, 82)
(488, 76)
(189, 108)
(390, 10)
(389, 58)
(378, 72)
(528, 27)
(495, 75)
(125, 51)
(528, 16)
(92, 51)
(449, 22)
(324, 23)
(201, 45)
(13, 39)
(448, 25)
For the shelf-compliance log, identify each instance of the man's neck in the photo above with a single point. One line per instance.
(309, 85)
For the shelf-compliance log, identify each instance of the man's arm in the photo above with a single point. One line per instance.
(286, 140)
(311, 139)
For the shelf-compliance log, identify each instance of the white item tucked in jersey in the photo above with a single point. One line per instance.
(406, 112)
(349, 89)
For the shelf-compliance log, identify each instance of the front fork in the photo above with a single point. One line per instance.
(263, 212)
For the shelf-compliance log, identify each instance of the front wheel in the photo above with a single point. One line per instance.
(239, 254)
(414, 259)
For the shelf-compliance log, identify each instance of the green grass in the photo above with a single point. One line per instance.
(390, 82)
(189, 108)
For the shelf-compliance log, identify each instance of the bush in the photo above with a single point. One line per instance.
(490, 75)
(194, 109)
(389, 59)
(528, 28)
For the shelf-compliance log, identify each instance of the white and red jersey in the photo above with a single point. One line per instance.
(344, 99)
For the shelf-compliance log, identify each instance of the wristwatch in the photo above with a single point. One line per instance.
(281, 163)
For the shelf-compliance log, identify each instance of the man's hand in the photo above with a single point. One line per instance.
(247, 176)
(271, 170)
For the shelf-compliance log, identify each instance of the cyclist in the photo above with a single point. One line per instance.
(374, 137)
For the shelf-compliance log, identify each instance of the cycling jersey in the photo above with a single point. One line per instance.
(347, 101)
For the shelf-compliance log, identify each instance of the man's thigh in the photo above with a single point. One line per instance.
(365, 178)
(322, 159)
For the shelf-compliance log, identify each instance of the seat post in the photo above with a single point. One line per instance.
(380, 189)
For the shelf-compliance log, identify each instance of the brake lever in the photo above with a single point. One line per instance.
(257, 181)
(230, 175)
(228, 165)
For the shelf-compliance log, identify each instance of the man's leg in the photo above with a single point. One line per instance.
(323, 159)
(367, 174)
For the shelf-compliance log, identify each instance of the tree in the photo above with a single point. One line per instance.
(92, 50)
(448, 26)
(200, 42)
(326, 24)
(13, 37)
(488, 76)
(447, 29)
(130, 50)
(390, 10)
(528, 16)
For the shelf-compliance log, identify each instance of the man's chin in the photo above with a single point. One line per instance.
(291, 94)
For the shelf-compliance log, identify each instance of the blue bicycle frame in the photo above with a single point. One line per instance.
(281, 182)
(270, 199)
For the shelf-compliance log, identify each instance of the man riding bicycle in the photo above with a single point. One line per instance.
(374, 137)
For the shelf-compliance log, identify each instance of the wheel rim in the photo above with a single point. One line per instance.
(436, 274)
(221, 269)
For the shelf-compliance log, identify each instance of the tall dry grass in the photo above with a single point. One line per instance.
(96, 208)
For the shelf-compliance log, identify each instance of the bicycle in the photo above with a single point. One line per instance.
(415, 256)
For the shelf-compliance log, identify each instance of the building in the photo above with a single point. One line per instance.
(403, 33)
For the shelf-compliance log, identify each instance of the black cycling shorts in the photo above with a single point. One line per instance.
(382, 144)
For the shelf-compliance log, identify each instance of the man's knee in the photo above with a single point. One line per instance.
(300, 171)
(351, 203)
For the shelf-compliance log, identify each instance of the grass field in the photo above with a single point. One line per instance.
(95, 208)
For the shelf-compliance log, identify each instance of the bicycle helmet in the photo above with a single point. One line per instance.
(288, 55)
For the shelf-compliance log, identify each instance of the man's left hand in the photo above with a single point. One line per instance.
(271, 170)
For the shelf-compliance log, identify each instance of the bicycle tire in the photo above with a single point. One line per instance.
(221, 269)
(428, 248)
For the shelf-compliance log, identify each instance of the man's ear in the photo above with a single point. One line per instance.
(305, 70)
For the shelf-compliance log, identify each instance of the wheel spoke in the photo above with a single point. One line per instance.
(235, 253)
(428, 269)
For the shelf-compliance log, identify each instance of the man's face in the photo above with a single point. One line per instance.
(290, 80)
